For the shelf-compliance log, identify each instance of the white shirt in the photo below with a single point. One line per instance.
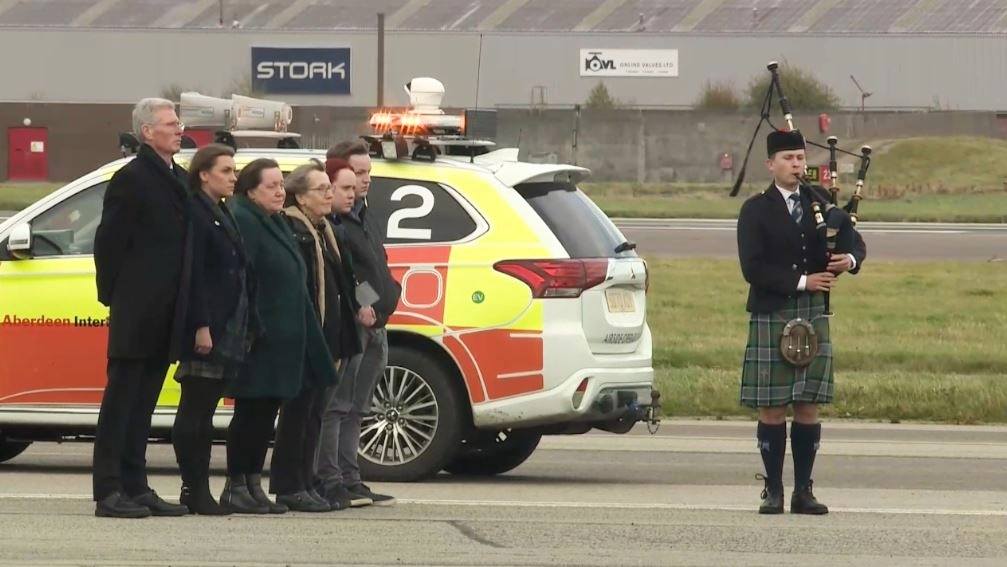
(802, 283)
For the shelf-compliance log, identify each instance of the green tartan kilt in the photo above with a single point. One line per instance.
(769, 381)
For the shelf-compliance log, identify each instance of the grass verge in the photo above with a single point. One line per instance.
(947, 179)
(913, 341)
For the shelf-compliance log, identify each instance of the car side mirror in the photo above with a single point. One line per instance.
(19, 243)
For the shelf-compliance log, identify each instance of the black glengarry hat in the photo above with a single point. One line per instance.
(783, 141)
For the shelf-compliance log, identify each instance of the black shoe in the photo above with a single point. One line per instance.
(804, 502)
(302, 502)
(116, 505)
(237, 499)
(198, 500)
(157, 505)
(340, 499)
(361, 490)
(254, 484)
(318, 498)
(772, 497)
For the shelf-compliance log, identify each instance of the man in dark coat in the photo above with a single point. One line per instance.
(784, 258)
(138, 255)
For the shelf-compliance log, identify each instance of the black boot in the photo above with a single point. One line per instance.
(804, 442)
(773, 448)
(199, 500)
(803, 501)
(236, 498)
(772, 497)
(254, 483)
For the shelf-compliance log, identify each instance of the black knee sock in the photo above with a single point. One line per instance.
(773, 446)
(804, 440)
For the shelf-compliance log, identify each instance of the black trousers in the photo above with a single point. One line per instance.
(249, 434)
(120, 443)
(292, 468)
(192, 433)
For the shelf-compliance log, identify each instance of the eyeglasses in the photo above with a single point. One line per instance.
(327, 190)
(179, 125)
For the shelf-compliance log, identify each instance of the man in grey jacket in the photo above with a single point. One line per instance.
(337, 467)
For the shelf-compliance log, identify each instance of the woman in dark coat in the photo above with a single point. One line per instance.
(216, 318)
(290, 350)
(309, 201)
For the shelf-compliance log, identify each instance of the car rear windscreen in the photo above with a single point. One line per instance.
(581, 227)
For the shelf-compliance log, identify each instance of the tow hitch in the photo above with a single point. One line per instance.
(652, 413)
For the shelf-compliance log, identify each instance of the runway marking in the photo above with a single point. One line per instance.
(686, 507)
(732, 229)
(599, 505)
(996, 227)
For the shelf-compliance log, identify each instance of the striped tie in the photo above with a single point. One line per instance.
(796, 212)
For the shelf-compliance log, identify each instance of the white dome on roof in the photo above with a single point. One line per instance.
(425, 95)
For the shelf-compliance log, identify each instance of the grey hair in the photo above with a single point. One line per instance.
(143, 113)
(296, 182)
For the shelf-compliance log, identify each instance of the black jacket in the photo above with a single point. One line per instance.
(775, 252)
(370, 261)
(212, 279)
(339, 326)
(138, 255)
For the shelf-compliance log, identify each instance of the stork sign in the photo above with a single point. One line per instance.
(301, 70)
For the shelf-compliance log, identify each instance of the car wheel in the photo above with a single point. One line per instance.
(416, 419)
(494, 455)
(11, 449)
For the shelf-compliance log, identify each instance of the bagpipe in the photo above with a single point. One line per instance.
(834, 223)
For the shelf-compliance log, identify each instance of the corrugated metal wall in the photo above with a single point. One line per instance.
(953, 71)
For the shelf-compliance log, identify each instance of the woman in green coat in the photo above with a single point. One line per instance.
(290, 351)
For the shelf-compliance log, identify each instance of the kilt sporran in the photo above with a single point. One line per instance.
(799, 342)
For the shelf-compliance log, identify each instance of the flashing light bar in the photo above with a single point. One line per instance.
(411, 123)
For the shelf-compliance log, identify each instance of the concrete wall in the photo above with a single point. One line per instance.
(502, 69)
(624, 145)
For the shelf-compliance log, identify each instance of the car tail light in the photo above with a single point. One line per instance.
(556, 278)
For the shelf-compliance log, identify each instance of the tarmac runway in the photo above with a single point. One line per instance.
(899, 495)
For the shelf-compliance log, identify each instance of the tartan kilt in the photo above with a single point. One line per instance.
(769, 381)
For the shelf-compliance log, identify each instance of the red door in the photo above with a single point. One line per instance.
(28, 149)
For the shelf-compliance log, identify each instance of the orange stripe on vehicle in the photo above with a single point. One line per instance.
(519, 372)
(71, 372)
(469, 370)
(422, 271)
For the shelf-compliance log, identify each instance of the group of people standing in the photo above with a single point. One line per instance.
(250, 281)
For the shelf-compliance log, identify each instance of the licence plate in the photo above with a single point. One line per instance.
(620, 300)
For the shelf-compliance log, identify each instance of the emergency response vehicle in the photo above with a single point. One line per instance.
(523, 308)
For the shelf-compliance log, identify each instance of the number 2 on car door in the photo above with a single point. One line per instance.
(395, 219)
